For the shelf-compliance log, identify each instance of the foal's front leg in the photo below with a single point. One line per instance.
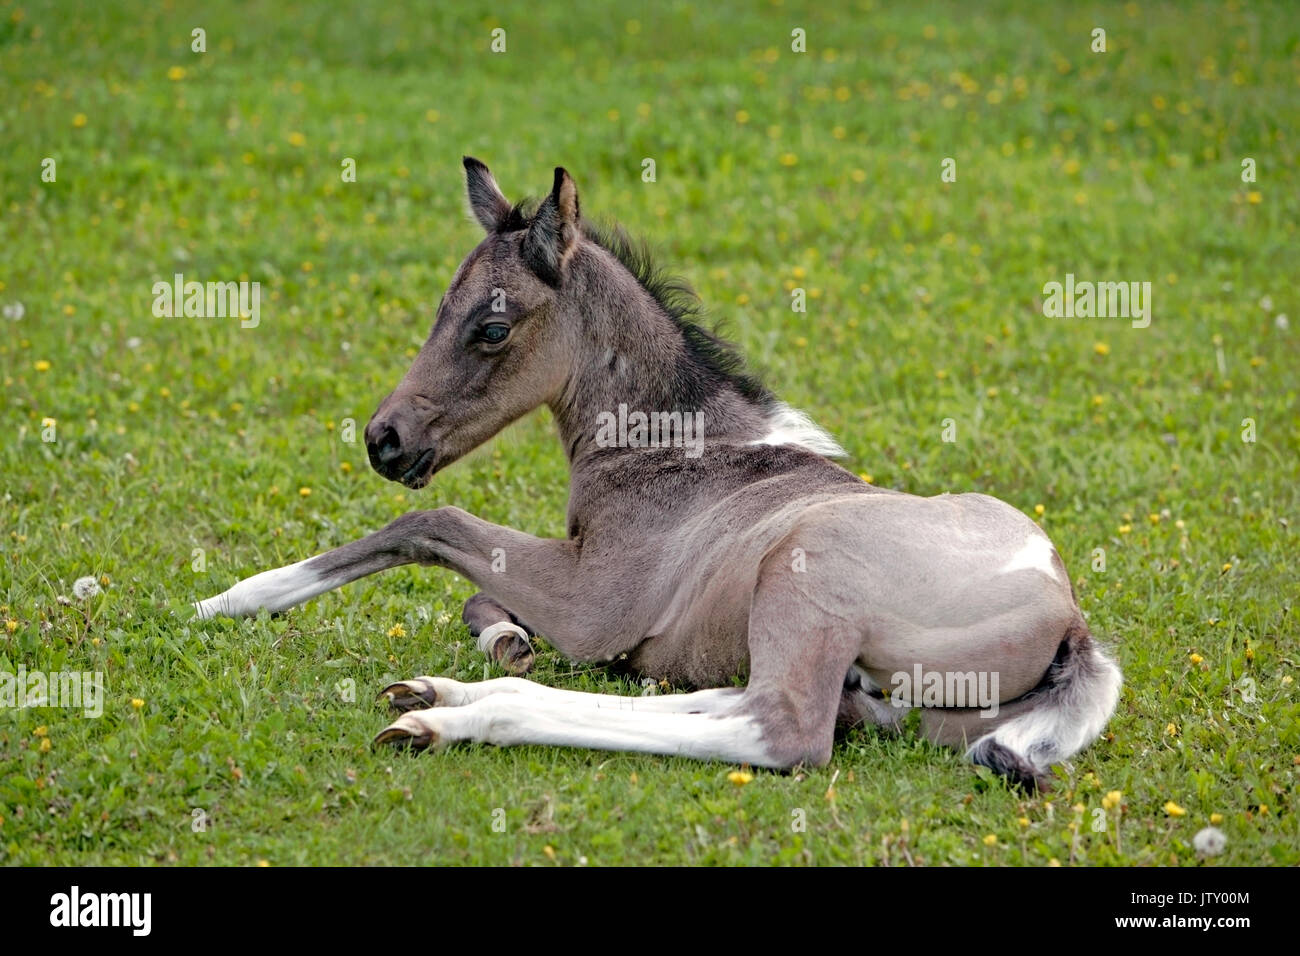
(500, 634)
(536, 578)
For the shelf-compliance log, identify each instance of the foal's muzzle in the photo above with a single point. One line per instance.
(410, 462)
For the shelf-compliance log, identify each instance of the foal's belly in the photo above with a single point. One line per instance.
(700, 631)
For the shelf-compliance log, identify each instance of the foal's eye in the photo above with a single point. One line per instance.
(495, 333)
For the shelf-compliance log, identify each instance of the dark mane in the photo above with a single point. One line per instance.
(673, 294)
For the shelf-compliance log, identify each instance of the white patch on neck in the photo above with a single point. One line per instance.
(1034, 555)
(789, 426)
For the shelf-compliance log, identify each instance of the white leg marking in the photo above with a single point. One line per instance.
(454, 693)
(488, 636)
(1034, 555)
(511, 719)
(276, 590)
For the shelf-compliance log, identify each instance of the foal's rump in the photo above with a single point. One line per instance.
(954, 584)
(965, 610)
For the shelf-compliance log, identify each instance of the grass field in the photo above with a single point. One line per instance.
(183, 444)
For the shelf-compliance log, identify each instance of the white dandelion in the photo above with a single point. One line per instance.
(1210, 841)
(85, 588)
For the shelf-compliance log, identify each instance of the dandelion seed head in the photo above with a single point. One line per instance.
(1210, 841)
(85, 588)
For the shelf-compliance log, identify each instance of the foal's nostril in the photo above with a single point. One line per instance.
(385, 448)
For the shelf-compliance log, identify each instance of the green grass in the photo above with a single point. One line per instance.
(923, 305)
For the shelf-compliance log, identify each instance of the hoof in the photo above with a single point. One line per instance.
(507, 644)
(514, 654)
(396, 735)
(418, 693)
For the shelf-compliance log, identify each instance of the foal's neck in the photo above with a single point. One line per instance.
(628, 351)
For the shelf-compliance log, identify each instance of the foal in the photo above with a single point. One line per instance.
(709, 537)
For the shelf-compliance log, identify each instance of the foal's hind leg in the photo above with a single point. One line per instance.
(510, 719)
(802, 643)
(501, 635)
(418, 693)
(861, 703)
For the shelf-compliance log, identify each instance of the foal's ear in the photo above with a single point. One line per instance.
(486, 202)
(554, 230)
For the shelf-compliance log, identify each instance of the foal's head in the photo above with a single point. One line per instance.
(499, 347)
(550, 309)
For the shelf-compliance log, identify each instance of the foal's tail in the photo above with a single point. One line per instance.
(1067, 711)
